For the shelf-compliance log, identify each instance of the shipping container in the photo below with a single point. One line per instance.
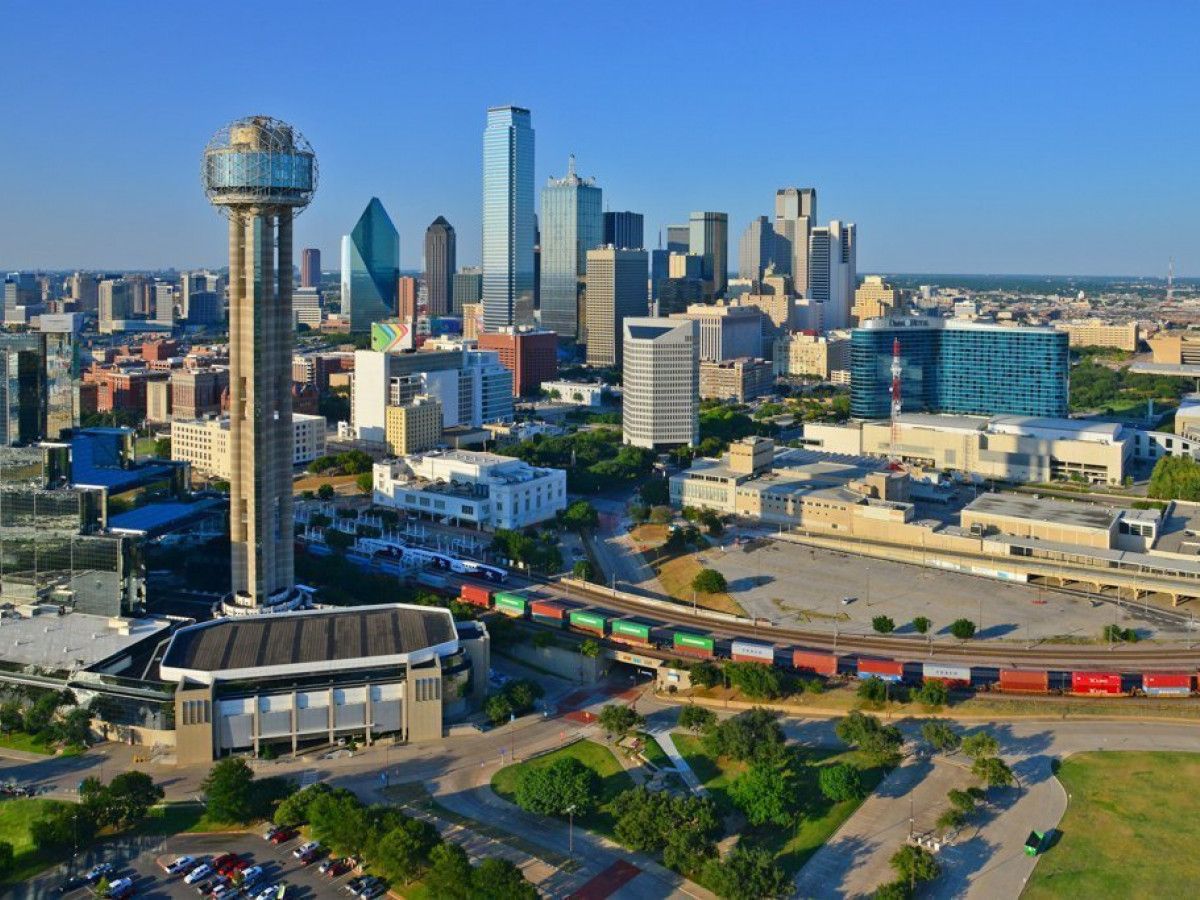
(547, 609)
(1024, 681)
(693, 644)
(510, 604)
(630, 632)
(1167, 684)
(812, 661)
(949, 674)
(748, 651)
(591, 622)
(885, 669)
(1095, 683)
(475, 595)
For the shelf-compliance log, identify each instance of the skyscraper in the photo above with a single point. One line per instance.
(115, 304)
(624, 230)
(258, 171)
(709, 237)
(468, 288)
(616, 289)
(406, 300)
(22, 388)
(756, 250)
(795, 215)
(660, 383)
(310, 268)
(843, 273)
(679, 238)
(370, 267)
(440, 263)
(508, 218)
(572, 224)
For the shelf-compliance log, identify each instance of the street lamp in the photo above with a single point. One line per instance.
(571, 831)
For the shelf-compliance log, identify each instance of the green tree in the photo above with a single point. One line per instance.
(648, 821)
(590, 649)
(449, 876)
(551, 789)
(617, 719)
(933, 692)
(11, 717)
(765, 794)
(40, 716)
(404, 850)
(962, 800)
(228, 790)
(697, 719)
(980, 744)
(584, 570)
(940, 736)
(914, 865)
(579, 515)
(951, 819)
(893, 890)
(660, 515)
(294, 810)
(162, 448)
(756, 681)
(752, 736)
(840, 782)
(75, 728)
(748, 873)
(123, 801)
(883, 624)
(873, 691)
(993, 771)
(339, 820)
(705, 674)
(364, 482)
(1175, 478)
(325, 491)
(62, 826)
(881, 743)
(500, 879)
(338, 540)
(655, 492)
(921, 624)
(709, 581)
(101, 888)
(963, 629)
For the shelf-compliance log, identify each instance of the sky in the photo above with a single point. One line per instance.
(983, 137)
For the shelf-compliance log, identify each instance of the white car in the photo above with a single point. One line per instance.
(267, 893)
(199, 873)
(252, 874)
(182, 864)
(305, 847)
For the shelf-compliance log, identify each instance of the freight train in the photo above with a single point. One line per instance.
(460, 565)
(647, 633)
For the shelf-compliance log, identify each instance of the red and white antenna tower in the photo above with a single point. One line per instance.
(897, 369)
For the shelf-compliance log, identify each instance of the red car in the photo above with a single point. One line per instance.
(339, 867)
(232, 865)
(222, 861)
(307, 857)
(282, 837)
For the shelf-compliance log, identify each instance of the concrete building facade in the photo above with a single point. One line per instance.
(660, 383)
(414, 427)
(736, 379)
(208, 445)
(616, 289)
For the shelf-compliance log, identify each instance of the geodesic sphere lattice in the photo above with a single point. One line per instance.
(259, 161)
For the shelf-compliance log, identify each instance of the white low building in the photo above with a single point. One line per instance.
(205, 443)
(461, 486)
(579, 393)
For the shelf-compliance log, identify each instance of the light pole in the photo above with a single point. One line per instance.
(571, 831)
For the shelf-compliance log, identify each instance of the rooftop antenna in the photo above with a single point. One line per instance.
(571, 166)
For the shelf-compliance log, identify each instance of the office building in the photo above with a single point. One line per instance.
(370, 268)
(660, 383)
(807, 354)
(413, 427)
(472, 321)
(959, 366)
(260, 204)
(1098, 333)
(207, 444)
(508, 218)
(115, 304)
(660, 271)
(842, 275)
(679, 238)
(795, 216)
(572, 223)
(164, 303)
(469, 488)
(306, 307)
(726, 331)
(756, 250)
(709, 237)
(624, 230)
(310, 268)
(616, 288)
(85, 291)
(440, 264)
(196, 393)
(37, 396)
(466, 287)
(22, 297)
(158, 401)
(874, 298)
(406, 300)
(531, 356)
(735, 379)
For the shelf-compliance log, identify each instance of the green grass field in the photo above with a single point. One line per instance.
(596, 757)
(15, 818)
(1129, 831)
(819, 817)
(19, 740)
(655, 755)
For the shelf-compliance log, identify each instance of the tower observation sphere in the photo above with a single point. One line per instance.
(260, 172)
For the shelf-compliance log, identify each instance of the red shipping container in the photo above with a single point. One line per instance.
(547, 609)
(1024, 681)
(475, 595)
(1095, 683)
(1167, 680)
(811, 661)
(884, 668)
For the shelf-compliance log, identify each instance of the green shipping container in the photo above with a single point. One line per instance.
(631, 629)
(696, 641)
(510, 603)
(591, 621)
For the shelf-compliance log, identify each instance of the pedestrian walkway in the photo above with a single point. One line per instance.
(667, 742)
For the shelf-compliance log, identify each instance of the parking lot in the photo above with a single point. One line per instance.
(139, 860)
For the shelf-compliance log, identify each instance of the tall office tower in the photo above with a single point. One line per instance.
(819, 256)
(21, 297)
(660, 383)
(37, 386)
(843, 274)
(115, 303)
(406, 299)
(872, 299)
(726, 332)
(756, 250)
(679, 238)
(467, 287)
(440, 262)
(508, 218)
(370, 267)
(164, 303)
(306, 307)
(531, 356)
(204, 308)
(259, 172)
(572, 224)
(660, 270)
(624, 230)
(616, 289)
(85, 290)
(310, 268)
(795, 215)
(709, 237)
(141, 295)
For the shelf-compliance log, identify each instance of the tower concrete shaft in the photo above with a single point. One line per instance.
(260, 404)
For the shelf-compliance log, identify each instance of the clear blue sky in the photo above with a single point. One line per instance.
(1030, 137)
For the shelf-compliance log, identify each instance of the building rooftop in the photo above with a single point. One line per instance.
(309, 641)
(1029, 507)
(160, 518)
(38, 636)
(1058, 429)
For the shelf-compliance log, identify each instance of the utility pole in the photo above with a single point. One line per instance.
(571, 831)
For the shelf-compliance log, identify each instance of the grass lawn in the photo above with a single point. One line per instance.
(1129, 830)
(15, 818)
(19, 740)
(820, 818)
(655, 755)
(675, 576)
(178, 818)
(596, 757)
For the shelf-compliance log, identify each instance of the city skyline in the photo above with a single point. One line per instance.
(1023, 175)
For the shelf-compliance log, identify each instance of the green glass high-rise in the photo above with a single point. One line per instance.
(370, 268)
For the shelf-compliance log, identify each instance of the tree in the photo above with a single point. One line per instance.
(655, 492)
(6, 858)
(752, 736)
(584, 570)
(590, 649)
(551, 789)
(639, 514)
(123, 801)
(619, 719)
(101, 888)
(883, 624)
(579, 515)
(980, 744)
(294, 809)
(933, 692)
(993, 771)
(339, 819)
(228, 791)
(660, 514)
(449, 876)
(748, 873)
(11, 717)
(365, 482)
(881, 743)
(921, 624)
(709, 581)
(162, 448)
(62, 826)
(940, 736)
(404, 850)
(500, 879)
(840, 782)
(325, 491)
(764, 793)
(963, 629)
(1175, 478)
(755, 680)
(915, 864)
(41, 714)
(75, 728)
(893, 890)
(951, 819)
(873, 690)
(650, 821)
(705, 674)
(962, 800)
(697, 719)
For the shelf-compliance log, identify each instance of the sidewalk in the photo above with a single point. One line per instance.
(667, 742)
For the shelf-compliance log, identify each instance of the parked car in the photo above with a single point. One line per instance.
(74, 883)
(267, 893)
(337, 867)
(305, 848)
(101, 870)
(198, 874)
(181, 864)
(232, 865)
(251, 875)
(368, 884)
(208, 887)
(272, 831)
(373, 891)
(282, 837)
(308, 857)
(120, 889)
(352, 886)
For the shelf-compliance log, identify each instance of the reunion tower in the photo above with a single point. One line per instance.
(260, 172)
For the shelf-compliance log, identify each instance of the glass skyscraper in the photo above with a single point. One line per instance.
(962, 367)
(370, 267)
(37, 386)
(572, 224)
(508, 218)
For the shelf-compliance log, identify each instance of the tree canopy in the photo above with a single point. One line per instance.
(552, 789)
